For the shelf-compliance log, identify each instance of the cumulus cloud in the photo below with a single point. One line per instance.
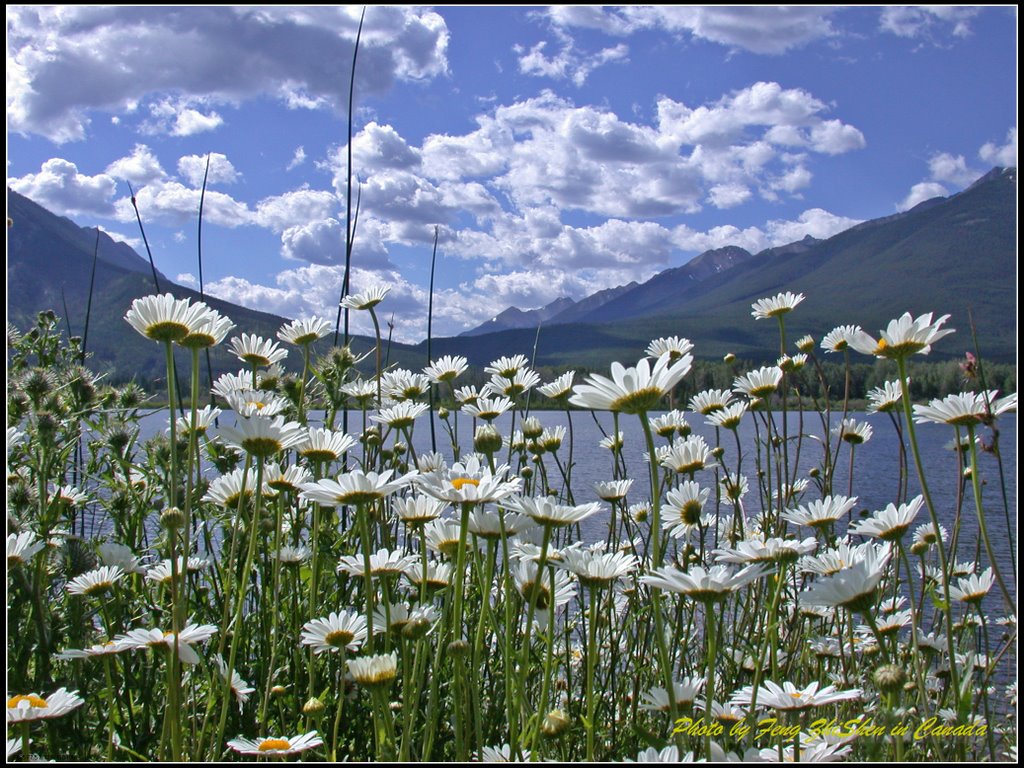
(377, 147)
(949, 173)
(318, 242)
(765, 29)
(62, 189)
(728, 195)
(174, 204)
(816, 222)
(190, 121)
(299, 206)
(314, 290)
(140, 167)
(925, 190)
(187, 278)
(66, 62)
(953, 169)
(1005, 155)
(193, 169)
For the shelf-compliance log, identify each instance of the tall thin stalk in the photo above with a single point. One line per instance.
(349, 233)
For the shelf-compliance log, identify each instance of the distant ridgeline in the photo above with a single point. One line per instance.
(946, 255)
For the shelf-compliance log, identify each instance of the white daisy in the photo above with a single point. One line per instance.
(275, 746)
(303, 332)
(710, 400)
(207, 330)
(560, 387)
(262, 437)
(760, 383)
(632, 390)
(776, 305)
(355, 487)
(338, 630)
(32, 706)
(164, 318)
(21, 547)
(374, 671)
(239, 687)
(839, 338)
(367, 299)
(322, 445)
(890, 523)
(256, 351)
(905, 336)
(674, 346)
(96, 581)
(447, 368)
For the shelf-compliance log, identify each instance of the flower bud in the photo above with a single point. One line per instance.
(313, 706)
(889, 678)
(555, 723)
(172, 519)
(488, 439)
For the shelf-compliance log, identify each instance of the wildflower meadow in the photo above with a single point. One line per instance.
(281, 573)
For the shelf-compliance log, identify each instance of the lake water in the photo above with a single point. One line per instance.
(876, 464)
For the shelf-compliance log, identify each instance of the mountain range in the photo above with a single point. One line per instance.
(50, 267)
(954, 255)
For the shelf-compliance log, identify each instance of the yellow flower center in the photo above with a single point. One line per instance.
(796, 695)
(882, 344)
(339, 638)
(31, 698)
(268, 744)
(459, 482)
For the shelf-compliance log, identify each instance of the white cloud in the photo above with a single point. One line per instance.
(318, 242)
(174, 204)
(65, 62)
(922, 20)
(792, 116)
(568, 63)
(1006, 155)
(765, 29)
(193, 169)
(140, 167)
(290, 209)
(926, 190)
(728, 195)
(187, 278)
(378, 147)
(834, 138)
(191, 121)
(314, 291)
(178, 116)
(952, 169)
(297, 159)
(61, 189)
(817, 223)
(792, 180)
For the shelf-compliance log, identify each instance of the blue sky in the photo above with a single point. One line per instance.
(558, 150)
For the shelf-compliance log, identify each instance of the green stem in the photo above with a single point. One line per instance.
(976, 486)
(461, 729)
(659, 633)
(954, 677)
(591, 658)
(341, 705)
(236, 623)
